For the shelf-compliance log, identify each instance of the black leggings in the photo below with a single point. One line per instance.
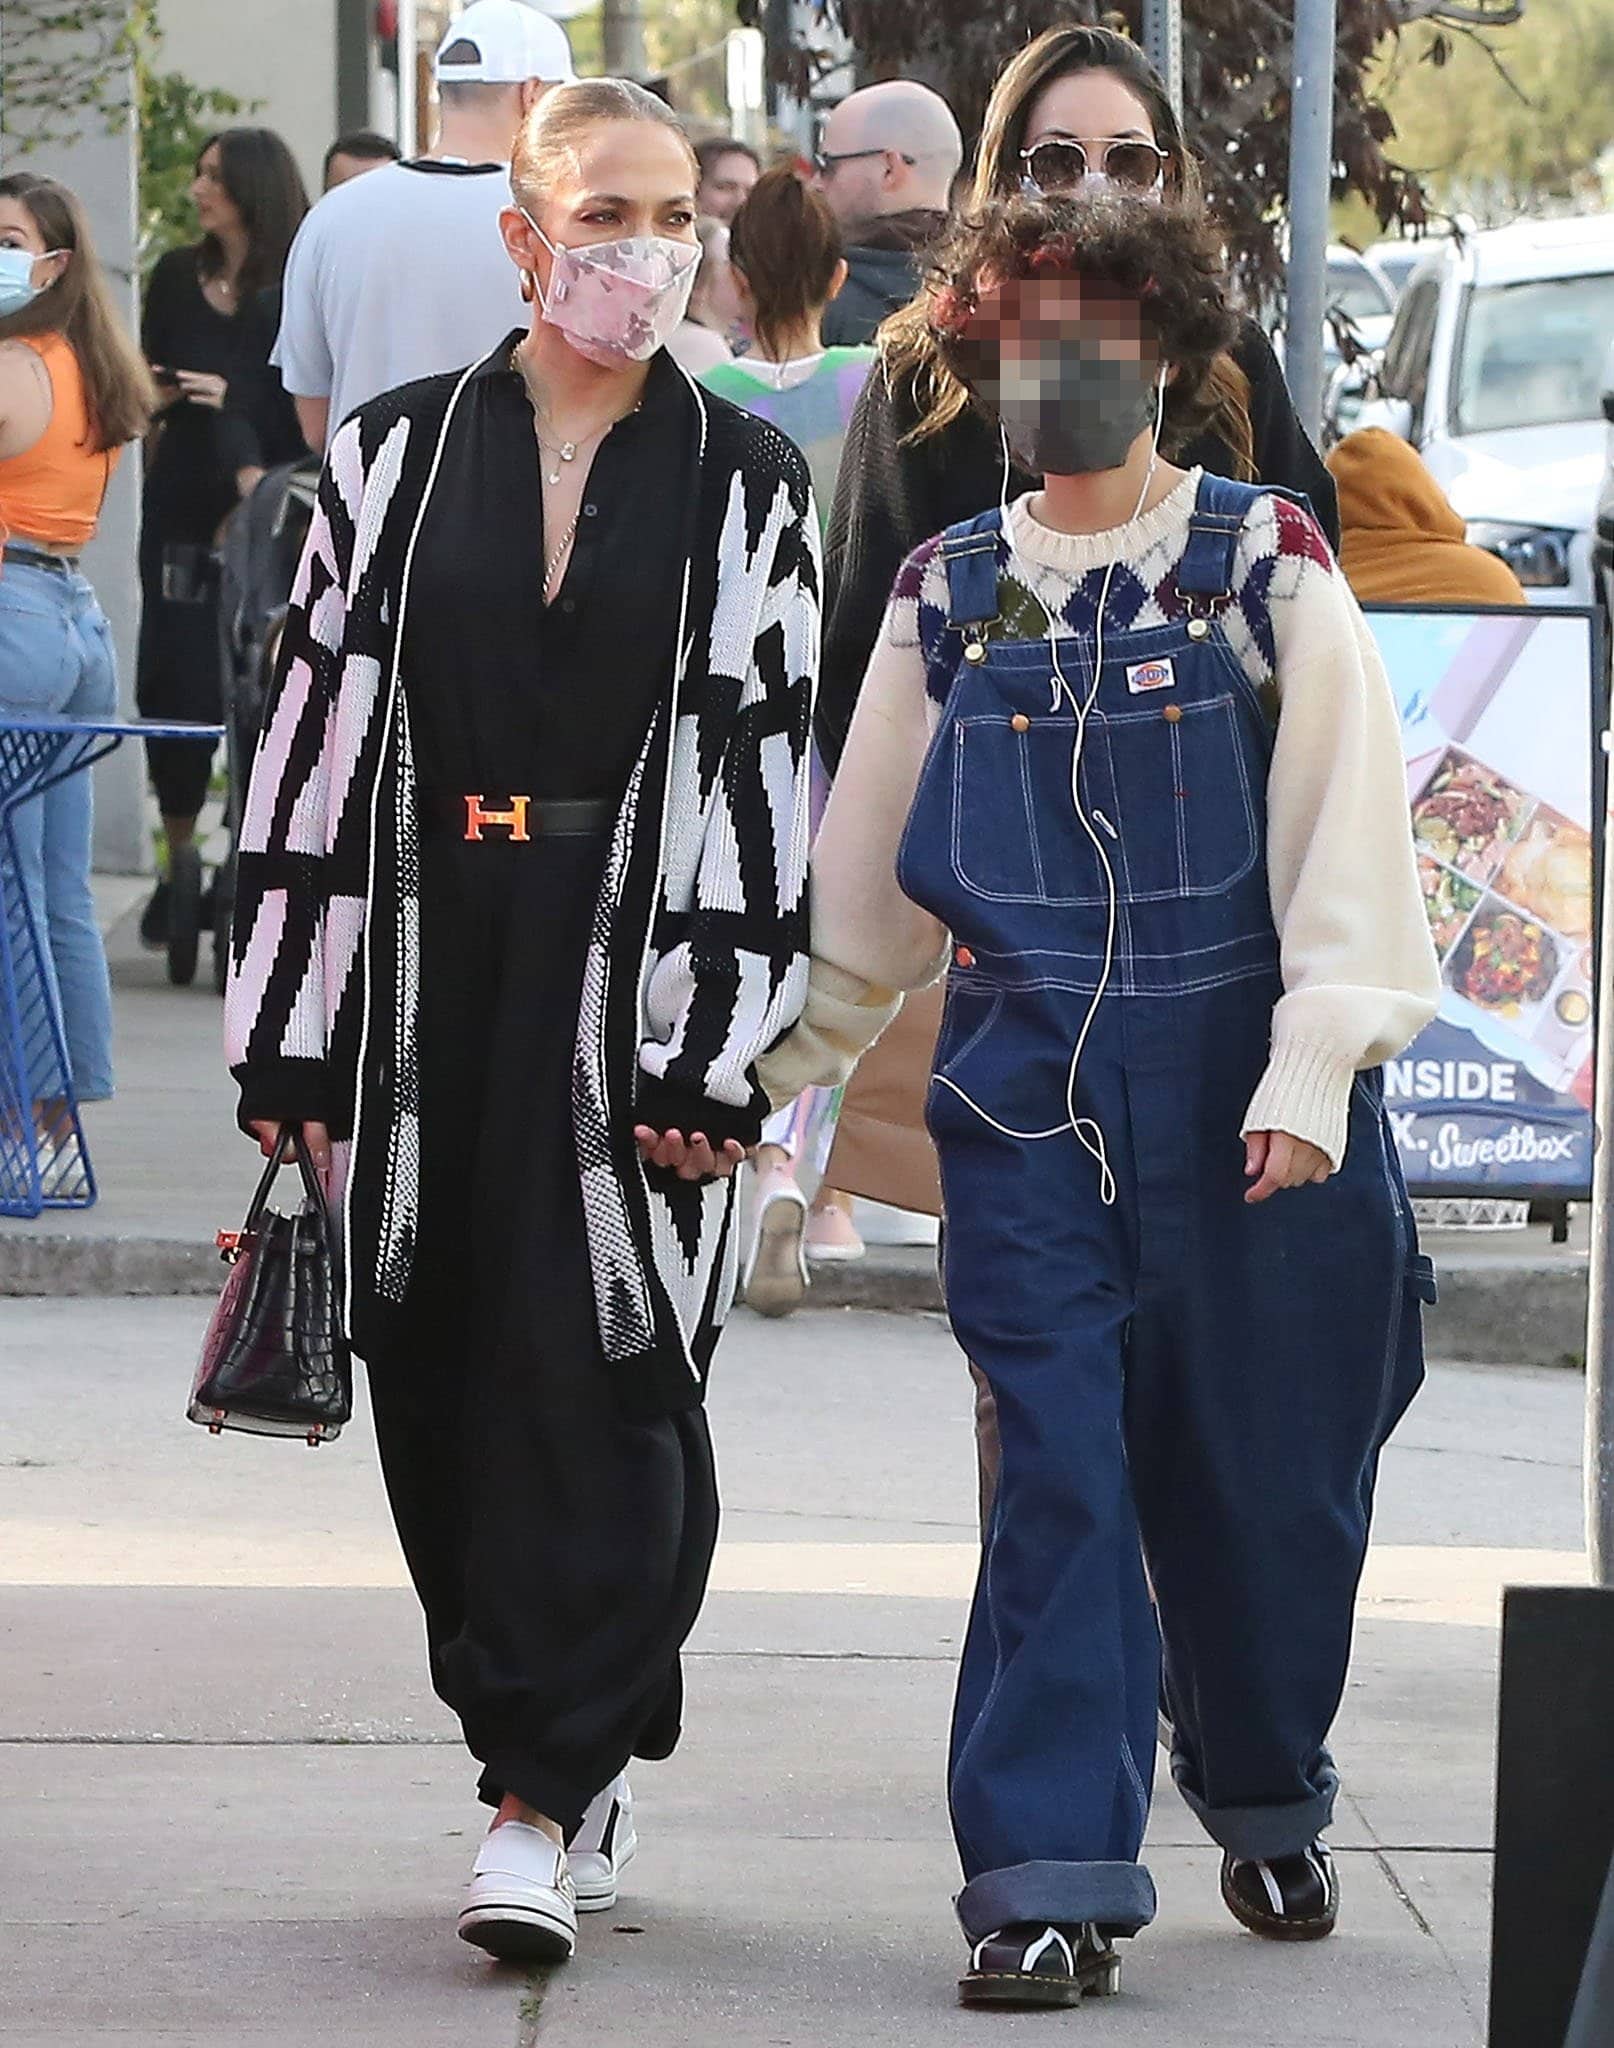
(178, 679)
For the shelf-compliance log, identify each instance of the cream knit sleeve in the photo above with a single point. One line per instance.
(1359, 970)
(870, 944)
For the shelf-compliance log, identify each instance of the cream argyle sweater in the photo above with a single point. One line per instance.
(1359, 971)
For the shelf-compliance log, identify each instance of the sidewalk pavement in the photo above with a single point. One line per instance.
(173, 1171)
(232, 1812)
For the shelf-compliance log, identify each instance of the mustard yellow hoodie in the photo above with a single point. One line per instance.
(1401, 542)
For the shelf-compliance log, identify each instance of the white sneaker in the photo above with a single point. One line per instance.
(776, 1275)
(521, 1904)
(603, 1847)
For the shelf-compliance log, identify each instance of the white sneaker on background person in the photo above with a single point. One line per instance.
(775, 1280)
(603, 1847)
(521, 1904)
(832, 1237)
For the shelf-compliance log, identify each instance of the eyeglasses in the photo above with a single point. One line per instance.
(824, 163)
(1061, 163)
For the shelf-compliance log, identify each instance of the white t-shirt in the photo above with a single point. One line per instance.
(397, 275)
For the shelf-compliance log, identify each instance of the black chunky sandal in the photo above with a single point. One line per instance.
(1288, 1898)
(1034, 1963)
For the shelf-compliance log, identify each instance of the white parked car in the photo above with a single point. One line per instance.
(1603, 532)
(1360, 299)
(1398, 256)
(1494, 371)
(1358, 304)
(1397, 260)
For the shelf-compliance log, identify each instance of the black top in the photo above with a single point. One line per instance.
(260, 429)
(494, 677)
(889, 497)
(884, 268)
(190, 480)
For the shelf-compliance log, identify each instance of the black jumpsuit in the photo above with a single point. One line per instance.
(559, 1545)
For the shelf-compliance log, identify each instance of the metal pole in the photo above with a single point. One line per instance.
(622, 38)
(409, 76)
(1162, 39)
(1600, 1318)
(353, 21)
(1311, 162)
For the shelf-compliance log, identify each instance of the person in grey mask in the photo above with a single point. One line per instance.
(1127, 767)
(1070, 377)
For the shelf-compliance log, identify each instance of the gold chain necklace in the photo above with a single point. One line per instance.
(562, 451)
(557, 556)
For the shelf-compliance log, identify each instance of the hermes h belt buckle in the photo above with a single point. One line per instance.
(513, 820)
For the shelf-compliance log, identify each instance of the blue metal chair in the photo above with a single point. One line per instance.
(44, 1168)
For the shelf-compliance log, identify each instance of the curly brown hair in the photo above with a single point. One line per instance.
(1164, 256)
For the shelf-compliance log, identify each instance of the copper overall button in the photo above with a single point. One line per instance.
(964, 957)
(1020, 722)
(1172, 713)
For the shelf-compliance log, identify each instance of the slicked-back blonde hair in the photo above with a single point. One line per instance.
(547, 147)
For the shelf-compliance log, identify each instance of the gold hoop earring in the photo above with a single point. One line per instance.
(529, 287)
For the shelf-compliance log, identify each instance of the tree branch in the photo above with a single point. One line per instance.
(1452, 14)
(1493, 58)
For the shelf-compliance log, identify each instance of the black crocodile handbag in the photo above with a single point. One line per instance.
(275, 1361)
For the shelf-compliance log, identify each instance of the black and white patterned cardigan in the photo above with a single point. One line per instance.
(698, 960)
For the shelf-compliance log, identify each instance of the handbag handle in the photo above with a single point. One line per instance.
(290, 1140)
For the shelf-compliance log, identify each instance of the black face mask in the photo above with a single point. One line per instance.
(1068, 411)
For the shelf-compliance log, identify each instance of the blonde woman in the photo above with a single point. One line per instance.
(522, 900)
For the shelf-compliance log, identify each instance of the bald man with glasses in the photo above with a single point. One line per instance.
(886, 164)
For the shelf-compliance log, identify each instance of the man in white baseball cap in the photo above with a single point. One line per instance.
(403, 274)
(503, 42)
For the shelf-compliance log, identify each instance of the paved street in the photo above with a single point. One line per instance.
(230, 1810)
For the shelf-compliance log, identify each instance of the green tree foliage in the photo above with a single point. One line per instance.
(66, 71)
(684, 43)
(176, 119)
(1236, 66)
(1497, 125)
(66, 68)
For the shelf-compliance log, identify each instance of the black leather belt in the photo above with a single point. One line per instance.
(514, 819)
(40, 558)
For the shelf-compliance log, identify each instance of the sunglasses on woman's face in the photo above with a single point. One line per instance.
(1061, 163)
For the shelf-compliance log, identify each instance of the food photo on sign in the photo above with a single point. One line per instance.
(1499, 717)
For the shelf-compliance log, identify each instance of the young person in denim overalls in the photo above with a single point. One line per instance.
(1127, 757)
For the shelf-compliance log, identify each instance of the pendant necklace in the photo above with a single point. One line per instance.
(565, 451)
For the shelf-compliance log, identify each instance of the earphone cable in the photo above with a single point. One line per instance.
(1088, 1132)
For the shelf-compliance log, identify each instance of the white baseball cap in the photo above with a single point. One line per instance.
(514, 42)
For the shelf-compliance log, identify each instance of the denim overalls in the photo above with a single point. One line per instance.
(1184, 1383)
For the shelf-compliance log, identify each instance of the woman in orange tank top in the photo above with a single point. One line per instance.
(73, 391)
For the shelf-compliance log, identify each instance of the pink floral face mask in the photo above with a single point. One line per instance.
(617, 302)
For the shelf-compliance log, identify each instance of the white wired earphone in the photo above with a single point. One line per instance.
(1086, 1128)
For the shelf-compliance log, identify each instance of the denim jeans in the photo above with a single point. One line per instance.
(56, 661)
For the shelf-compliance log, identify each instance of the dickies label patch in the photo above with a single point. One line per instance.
(1151, 675)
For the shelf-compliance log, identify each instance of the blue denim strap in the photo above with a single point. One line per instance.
(1220, 510)
(970, 555)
